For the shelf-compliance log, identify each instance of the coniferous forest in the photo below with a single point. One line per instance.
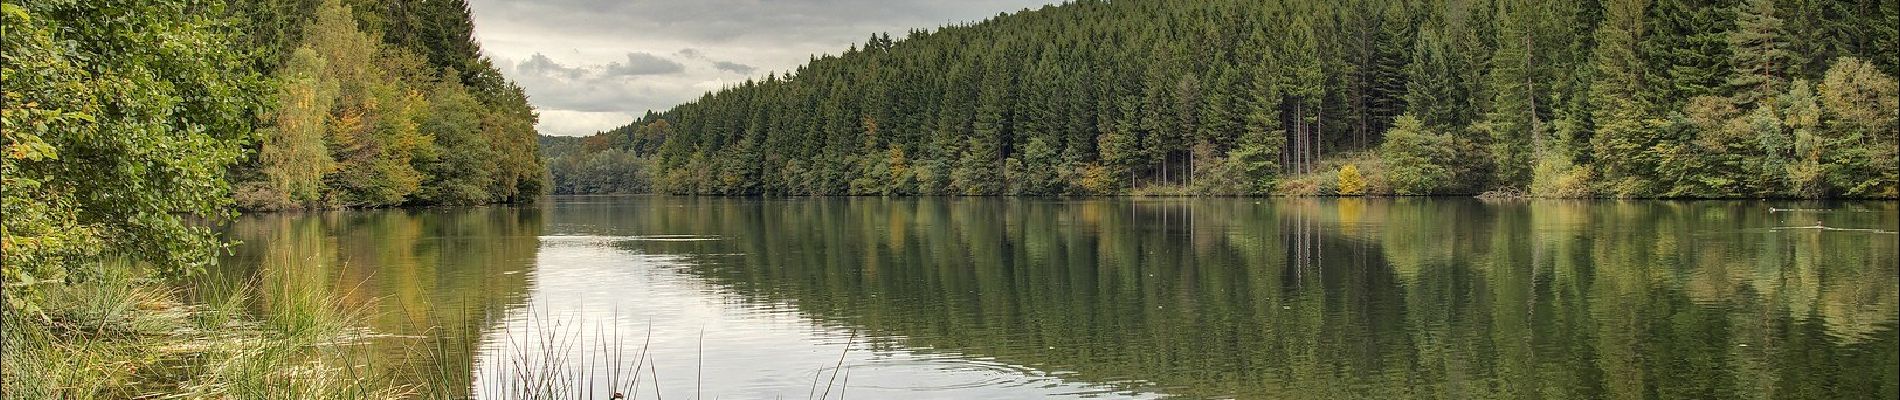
(1594, 98)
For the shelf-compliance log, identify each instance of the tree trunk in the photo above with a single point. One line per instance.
(1530, 92)
(1319, 127)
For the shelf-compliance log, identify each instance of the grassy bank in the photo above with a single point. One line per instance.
(126, 337)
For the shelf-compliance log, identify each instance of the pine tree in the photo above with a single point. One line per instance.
(1617, 96)
(1522, 82)
(1762, 61)
(1258, 153)
(1305, 94)
(1568, 98)
(1689, 48)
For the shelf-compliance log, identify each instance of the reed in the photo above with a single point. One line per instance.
(120, 336)
(542, 355)
(123, 337)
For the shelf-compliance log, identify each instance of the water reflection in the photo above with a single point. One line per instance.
(434, 280)
(1206, 298)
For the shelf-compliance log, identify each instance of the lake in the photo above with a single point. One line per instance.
(957, 298)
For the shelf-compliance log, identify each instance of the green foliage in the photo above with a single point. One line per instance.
(1415, 158)
(1800, 158)
(508, 129)
(1762, 60)
(1120, 153)
(1626, 129)
(1630, 98)
(1527, 64)
(1806, 143)
(462, 166)
(604, 171)
(390, 129)
(1254, 161)
(292, 155)
(1861, 108)
(1556, 177)
(374, 136)
(119, 120)
(1031, 174)
(128, 125)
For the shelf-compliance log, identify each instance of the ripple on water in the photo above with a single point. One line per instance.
(634, 238)
(972, 373)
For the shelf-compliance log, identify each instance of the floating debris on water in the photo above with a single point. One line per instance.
(1776, 210)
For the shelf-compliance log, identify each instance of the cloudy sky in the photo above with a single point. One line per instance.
(593, 65)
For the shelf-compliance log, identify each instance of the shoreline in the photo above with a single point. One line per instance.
(1114, 196)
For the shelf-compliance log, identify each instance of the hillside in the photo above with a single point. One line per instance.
(1671, 98)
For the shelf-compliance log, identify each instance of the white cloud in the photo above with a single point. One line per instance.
(579, 123)
(644, 64)
(710, 85)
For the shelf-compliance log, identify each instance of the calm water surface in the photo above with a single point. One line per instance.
(1108, 298)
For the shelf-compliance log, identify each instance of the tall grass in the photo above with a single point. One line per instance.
(545, 356)
(542, 357)
(122, 337)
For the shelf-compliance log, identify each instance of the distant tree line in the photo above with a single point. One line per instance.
(129, 123)
(1609, 98)
(591, 165)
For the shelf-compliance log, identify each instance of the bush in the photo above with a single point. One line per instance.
(1304, 186)
(1559, 179)
(1350, 182)
(1098, 180)
(1417, 161)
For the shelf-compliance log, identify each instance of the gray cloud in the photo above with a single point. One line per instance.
(611, 87)
(541, 65)
(591, 59)
(645, 64)
(733, 67)
(728, 66)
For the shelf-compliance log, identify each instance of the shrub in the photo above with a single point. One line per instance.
(1350, 182)
(1417, 161)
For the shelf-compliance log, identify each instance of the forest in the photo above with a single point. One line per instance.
(382, 104)
(135, 129)
(1575, 99)
(130, 123)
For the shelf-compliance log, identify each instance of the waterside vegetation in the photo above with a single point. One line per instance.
(132, 128)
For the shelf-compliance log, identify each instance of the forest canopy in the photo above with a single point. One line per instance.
(1610, 98)
(129, 123)
(382, 104)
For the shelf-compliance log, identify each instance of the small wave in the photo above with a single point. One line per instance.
(1834, 229)
(637, 238)
(963, 374)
